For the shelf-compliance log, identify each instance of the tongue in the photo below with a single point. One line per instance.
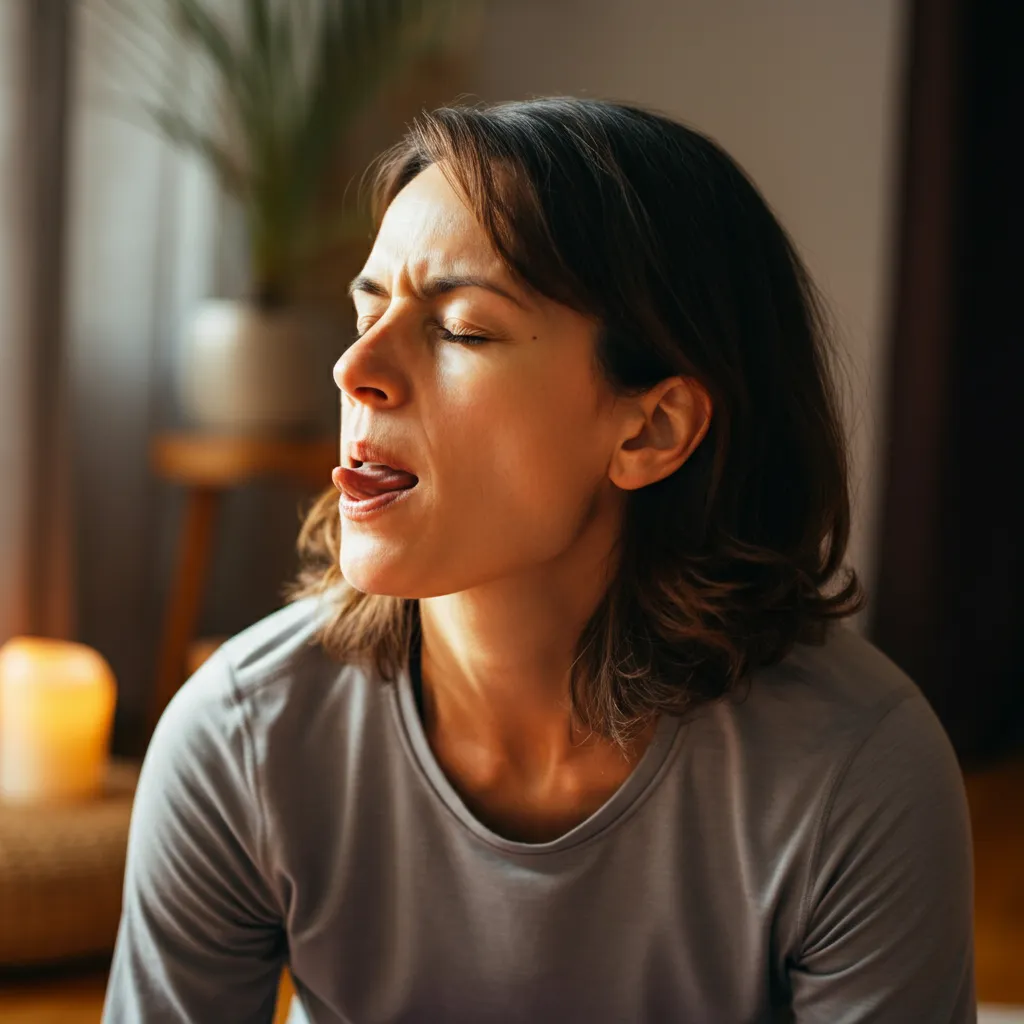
(369, 481)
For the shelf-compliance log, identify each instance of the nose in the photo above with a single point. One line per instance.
(368, 371)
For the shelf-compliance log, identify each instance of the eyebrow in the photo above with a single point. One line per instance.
(433, 287)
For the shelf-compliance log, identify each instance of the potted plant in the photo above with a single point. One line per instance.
(284, 81)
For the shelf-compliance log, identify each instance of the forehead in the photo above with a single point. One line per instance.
(429, 228)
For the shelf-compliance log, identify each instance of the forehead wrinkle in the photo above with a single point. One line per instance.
(433, 265)
(442, 255)
(429, 233)
(412, 215)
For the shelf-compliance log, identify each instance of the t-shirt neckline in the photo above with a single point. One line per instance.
(621, 804)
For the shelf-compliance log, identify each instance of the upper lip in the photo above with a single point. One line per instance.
(368, 451)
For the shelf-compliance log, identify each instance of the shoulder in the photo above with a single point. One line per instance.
(891, 779)
(213, 702)
(275, 667)
(267, 725)
(845, 800)
(265, 691)
(823, 701)
(835, 722)
(823, 753)
(278, 647)
(886, 903)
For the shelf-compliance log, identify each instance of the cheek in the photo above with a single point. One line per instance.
(516, 462)
(525, 447)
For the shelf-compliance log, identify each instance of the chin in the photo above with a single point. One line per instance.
(376, 571)
(370, 578)
(372, 573)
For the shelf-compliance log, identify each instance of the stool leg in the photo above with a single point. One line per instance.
(195, 539)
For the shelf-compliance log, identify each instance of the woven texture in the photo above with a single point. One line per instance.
(61, 874)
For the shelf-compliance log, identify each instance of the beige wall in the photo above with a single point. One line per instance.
(803, 93)
(14, 362)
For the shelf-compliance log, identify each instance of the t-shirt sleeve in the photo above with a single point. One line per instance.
(200, 937)
(888, 934)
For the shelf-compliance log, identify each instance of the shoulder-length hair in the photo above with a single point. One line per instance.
(651, 228)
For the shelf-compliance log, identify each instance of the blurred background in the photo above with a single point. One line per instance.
(177, 193)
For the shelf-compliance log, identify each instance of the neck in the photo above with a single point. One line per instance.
(496, 663)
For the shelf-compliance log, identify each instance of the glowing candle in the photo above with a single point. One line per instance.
(56, 710)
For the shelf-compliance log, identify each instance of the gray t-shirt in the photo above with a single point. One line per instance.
(798, 852)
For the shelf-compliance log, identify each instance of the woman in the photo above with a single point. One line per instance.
(561, 724)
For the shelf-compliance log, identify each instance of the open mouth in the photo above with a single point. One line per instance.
(369, 486)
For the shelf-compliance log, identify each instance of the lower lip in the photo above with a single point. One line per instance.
(366, 507)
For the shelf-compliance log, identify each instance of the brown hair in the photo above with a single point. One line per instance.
(649, 226)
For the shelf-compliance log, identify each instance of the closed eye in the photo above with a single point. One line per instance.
(466, 339)
(446, 335)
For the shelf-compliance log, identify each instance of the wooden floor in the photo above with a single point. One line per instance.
(79, 1000)
(997, 812)
(996, 797)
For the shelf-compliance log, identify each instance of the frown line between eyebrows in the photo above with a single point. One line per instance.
(434, 286)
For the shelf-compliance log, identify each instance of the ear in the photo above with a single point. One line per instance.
(662, 428)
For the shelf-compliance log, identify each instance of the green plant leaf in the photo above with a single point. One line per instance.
(258, 14)
(178, 129)
(362, 42)
(291, 75)
(201, 27)
(240, 76)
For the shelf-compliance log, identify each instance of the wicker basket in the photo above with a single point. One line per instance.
(61, 874)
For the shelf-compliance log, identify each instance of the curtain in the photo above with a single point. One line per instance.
(142, 221)
(949, 601)
(35, 492)
(109, 238)
(149, 237)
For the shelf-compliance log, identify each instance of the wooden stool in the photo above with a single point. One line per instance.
(206, 465)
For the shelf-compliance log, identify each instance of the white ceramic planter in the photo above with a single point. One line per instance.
(252, 371)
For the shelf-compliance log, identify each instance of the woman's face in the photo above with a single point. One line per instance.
(509, 432)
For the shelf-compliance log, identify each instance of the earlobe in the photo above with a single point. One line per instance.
(673, 418)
